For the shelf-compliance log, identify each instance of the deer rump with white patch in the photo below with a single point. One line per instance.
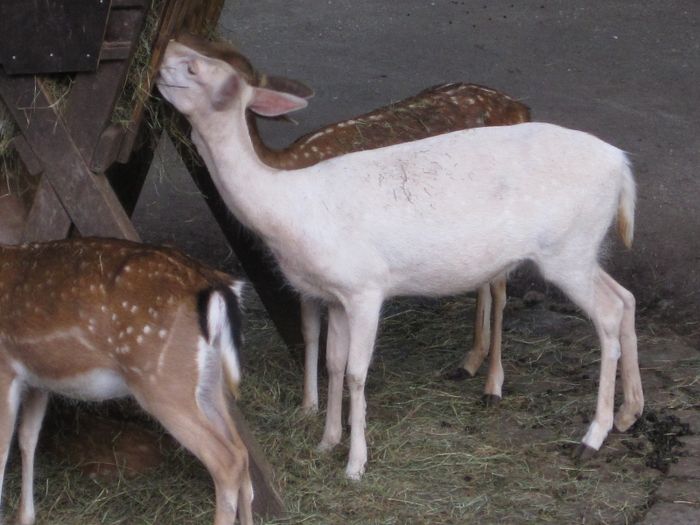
(98, 319)
(409, 219)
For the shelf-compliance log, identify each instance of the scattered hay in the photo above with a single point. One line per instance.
(436, 454)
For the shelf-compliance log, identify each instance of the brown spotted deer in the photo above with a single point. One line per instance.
(99, 319)
(436, 110)
(408, 219)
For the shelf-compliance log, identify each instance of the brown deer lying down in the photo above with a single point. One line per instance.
(99, 319)
(436, 110)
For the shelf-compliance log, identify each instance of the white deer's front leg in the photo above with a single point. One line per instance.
(311, 328)
(336, 359)
(363, 318)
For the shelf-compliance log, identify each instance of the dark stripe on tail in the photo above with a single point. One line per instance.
(232, 310)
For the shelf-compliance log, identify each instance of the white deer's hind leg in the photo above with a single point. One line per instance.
(33, 410)
(336, 359)
(311, 329)
(363, 318)
(493, 391)
(633, 403)
(587, 288)
(480, 348)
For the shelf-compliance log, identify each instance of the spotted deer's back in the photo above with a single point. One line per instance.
(99, 301)
(434, 111)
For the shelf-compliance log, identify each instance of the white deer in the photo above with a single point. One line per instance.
(432, 217)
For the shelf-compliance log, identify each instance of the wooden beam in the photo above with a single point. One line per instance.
(93, 96)
(24, 150)
(87, 197)
(47, 219)
(127, 179)
(267, 501)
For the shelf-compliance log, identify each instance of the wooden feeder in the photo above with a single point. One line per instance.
(90, 169)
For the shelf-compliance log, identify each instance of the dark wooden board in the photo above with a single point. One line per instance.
(47, 220)
(87, 197)
(51, 36)
(89, 107)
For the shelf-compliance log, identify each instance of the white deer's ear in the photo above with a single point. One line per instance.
(269, 103)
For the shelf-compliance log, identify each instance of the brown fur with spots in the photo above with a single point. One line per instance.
(99, 319)
(434, 111)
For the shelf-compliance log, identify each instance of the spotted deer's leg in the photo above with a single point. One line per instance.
(10, 390)
(482, 329)
(494, 382)
(193, 428)
(32, 415)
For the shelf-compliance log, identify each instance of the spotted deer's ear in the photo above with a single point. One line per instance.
(271, 103)
(286, 85)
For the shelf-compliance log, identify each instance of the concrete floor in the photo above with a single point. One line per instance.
(628, 72)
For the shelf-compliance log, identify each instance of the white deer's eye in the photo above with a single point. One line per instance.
(191, 68)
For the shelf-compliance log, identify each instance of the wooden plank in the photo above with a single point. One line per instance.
(88, 198)
(281, 302)
(107, 148)
(47, 219)
(65, 35)
(24, 150)
(93, 96)
(127, 179)
(124, 4)
(115, 51)
(267, 501)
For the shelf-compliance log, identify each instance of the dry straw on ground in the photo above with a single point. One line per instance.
(437, 456)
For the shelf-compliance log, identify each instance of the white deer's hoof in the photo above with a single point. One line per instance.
(354, 474)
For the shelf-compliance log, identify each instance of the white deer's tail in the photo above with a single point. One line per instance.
(625, 207)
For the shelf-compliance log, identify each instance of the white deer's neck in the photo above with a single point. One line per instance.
(250, 188)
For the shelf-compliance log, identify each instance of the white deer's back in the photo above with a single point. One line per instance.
(483, 196)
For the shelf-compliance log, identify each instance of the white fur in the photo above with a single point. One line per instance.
(220, 334)
(409, 220)
(95, 385)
